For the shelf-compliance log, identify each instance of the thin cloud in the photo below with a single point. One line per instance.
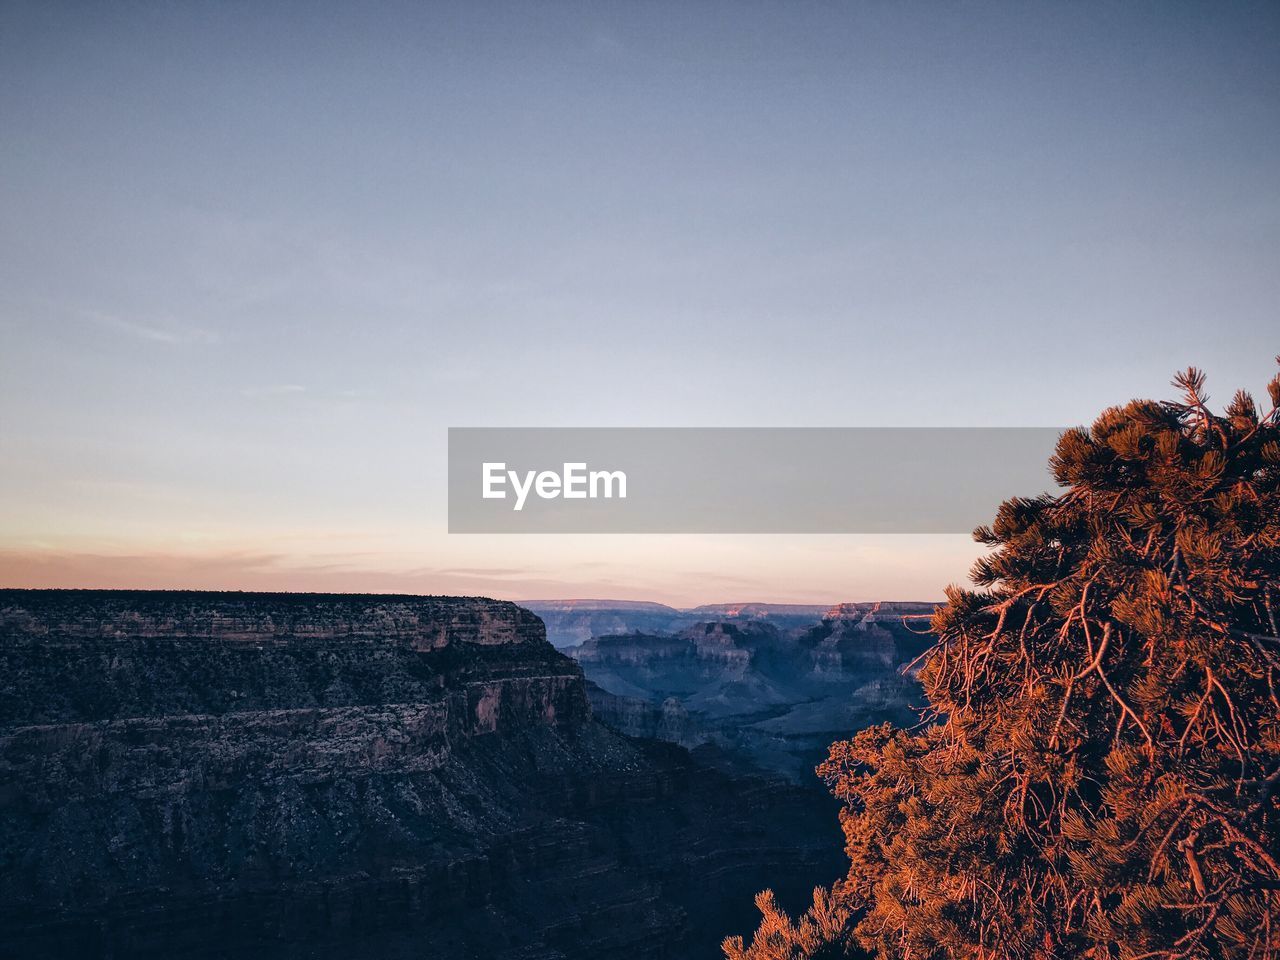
(502, 572)
(152, 333)
(273, 390)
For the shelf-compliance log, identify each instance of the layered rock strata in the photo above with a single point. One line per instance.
(775, 699)
(254, 775)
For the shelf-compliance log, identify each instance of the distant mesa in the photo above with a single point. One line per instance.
(880, 609)
(758, 610)
(585, 606)
(573, 622)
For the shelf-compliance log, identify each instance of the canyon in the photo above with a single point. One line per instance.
(571, 622)
(308, 775)
(757, 691)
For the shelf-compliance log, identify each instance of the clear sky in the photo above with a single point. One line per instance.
(255, 258)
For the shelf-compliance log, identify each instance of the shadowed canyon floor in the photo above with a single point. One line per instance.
(275, 775)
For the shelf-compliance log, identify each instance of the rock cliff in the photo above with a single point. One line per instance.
(253, 775)
(573, 622)
(771, 697)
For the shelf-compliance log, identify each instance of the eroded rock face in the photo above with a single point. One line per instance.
(770, 697)
(421, 623)
(573, 622)
(254, 775)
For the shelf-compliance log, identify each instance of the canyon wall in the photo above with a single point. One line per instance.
(770, 698)
(572, 622)
(207, 775)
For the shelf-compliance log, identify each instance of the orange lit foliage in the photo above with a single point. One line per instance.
(1103, 774)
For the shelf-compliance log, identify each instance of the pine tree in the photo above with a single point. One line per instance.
(1100, 774)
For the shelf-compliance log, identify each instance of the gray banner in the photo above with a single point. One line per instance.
(740, 480)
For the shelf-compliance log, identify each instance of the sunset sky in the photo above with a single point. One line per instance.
(255, 259)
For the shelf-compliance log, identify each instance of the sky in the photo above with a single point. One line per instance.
(256, 258)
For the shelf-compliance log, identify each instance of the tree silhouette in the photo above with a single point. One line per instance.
(1100, 775)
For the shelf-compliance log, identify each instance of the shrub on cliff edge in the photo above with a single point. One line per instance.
(1102, 778)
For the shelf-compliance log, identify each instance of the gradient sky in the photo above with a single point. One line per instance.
(255, 258)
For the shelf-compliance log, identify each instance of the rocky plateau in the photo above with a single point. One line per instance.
(274, 775)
